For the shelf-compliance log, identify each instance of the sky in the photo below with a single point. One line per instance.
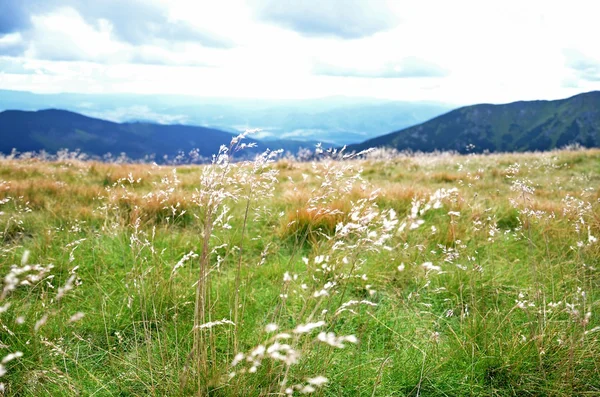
(458, 52)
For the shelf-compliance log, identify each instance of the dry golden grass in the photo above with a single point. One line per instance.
(311, 223)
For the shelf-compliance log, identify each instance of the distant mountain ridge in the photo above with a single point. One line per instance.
(336, 120)
(516, 126)
(53, 129)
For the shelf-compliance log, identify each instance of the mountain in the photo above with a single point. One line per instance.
(517, 126)
(338, 120)
(52, 129)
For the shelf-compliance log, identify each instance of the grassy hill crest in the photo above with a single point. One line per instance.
(517, 126)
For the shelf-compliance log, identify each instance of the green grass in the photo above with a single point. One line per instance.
(505, 315)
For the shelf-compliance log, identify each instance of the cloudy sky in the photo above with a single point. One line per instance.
(456, 51)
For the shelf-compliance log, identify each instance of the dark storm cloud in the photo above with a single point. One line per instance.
(353, 19)
(407, 68)
(135, 21)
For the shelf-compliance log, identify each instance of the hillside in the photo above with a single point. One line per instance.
(517, 126)
(337, 120)
(52, 130)
(430, 275)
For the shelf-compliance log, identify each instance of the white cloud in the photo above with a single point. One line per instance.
(10, 39)
(465, 51)
(11, 44)
(409, 67)
(350, 19)
(65, 35)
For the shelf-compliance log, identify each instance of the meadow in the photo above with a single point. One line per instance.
(381, 275)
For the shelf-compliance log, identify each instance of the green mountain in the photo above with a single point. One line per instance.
(51, 130)
(517, 126)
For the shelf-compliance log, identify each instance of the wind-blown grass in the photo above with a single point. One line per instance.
(386, 276)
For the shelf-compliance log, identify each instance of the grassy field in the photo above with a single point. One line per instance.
(425, 275)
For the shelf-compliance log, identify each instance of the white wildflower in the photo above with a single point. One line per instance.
(335, 341)
(11, 356)
(317, 381)
(428, 266)
(214, 323)
(306, 328)
(76, 317)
